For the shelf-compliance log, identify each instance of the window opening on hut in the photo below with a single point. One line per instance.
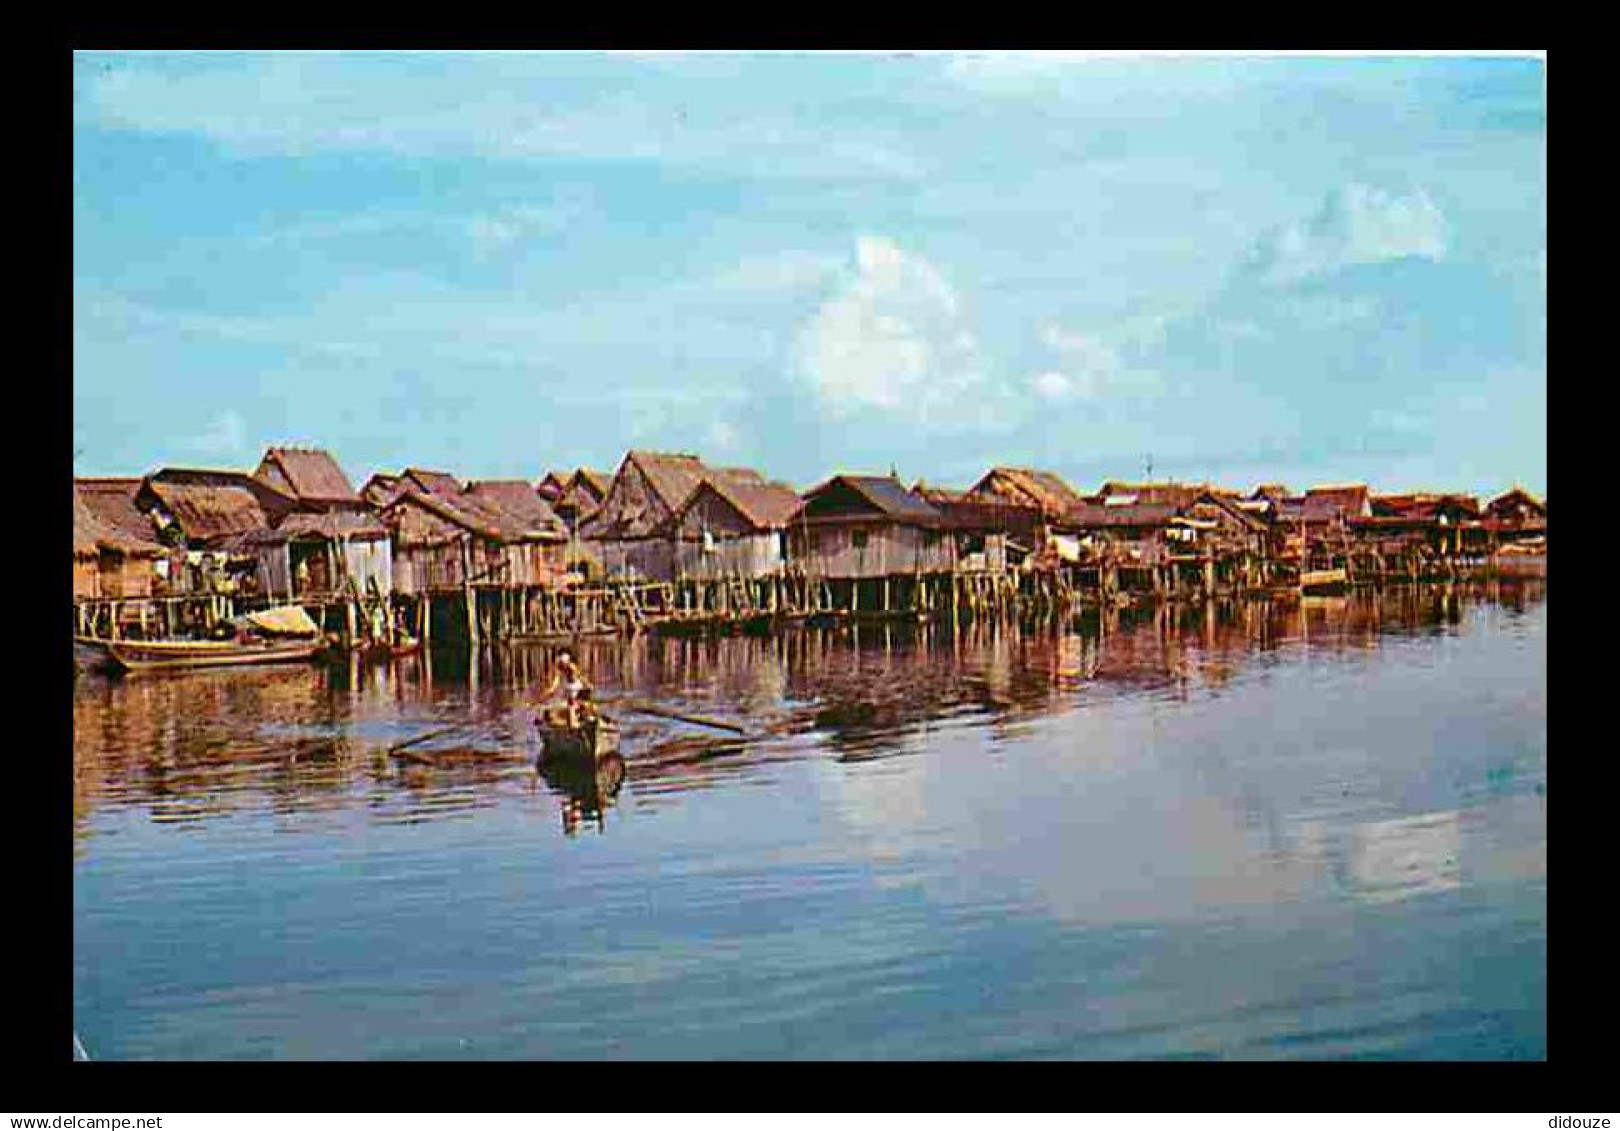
(857, 539)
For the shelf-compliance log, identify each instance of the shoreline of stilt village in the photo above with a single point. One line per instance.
(670, 543)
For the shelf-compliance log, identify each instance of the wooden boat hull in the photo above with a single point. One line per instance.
(145, 655)
(90, 653)
(587, 745)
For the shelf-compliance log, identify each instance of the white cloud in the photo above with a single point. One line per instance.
(1094, 364)
(226, 434)
(1355, 224)
(1052, 385)
(892, 338)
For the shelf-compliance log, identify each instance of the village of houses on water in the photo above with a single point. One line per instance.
(189, 566)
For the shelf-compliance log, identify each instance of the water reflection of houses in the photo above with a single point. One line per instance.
(295, 740)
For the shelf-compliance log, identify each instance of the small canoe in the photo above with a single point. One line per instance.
(143, 655)
(588, 743)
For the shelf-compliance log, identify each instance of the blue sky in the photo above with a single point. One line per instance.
(1244, 267)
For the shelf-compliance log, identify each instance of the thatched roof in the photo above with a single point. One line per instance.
(1346, 497)
(481, 516)
(1517, 496)
(309, 474)
(1042, 489)
(112, 501)
(433, 482)
(551, 486)
(331, 526)
(91, 535)
(1172, 494)
(762, 504)
(379, 488)
(208, 512)
(670, 475)
(1101, 516)
(583, 492)
(964, 510)
(516, 499)
(598, 483)
(1423, 505)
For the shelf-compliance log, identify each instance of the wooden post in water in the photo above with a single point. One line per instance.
(467, 591)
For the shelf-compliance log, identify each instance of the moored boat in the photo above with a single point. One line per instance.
(142, 655)
(284, 634)
(90, 653)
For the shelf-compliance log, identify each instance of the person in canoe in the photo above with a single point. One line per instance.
(576, 690)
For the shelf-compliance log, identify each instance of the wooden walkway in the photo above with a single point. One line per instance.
(496, 613)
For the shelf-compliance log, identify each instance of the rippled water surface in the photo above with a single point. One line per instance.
(1257, 831)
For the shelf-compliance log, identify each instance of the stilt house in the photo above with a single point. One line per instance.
(626, 532)
(1044, 493)
(731, 525)
(868, 526)
(203, 515)
(992, 532)
(331, 543)
(108, 562)
(443, 542)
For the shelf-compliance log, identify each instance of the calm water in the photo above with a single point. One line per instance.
(1249, 832)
